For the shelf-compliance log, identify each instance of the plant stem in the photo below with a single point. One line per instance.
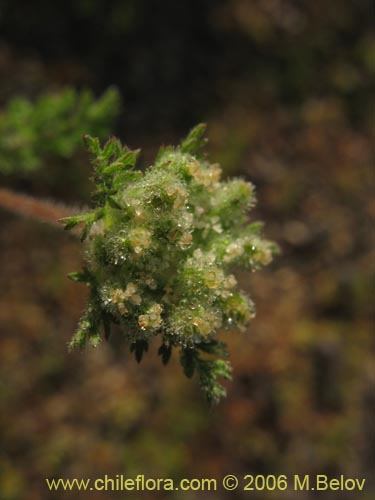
(41, 210)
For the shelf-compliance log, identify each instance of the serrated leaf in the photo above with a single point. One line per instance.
(112, 168)
(86, 230)
(92, 144)
(129, 158)
(78, 339)
(188, 361)
(125, 161)
(90, 218)
(111, 148)
(94, 339)
(74, 220)
(139, 347)
(194, 141)
(222, 369)
(209, 371)
(165, 351)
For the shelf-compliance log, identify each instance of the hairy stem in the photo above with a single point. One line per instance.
(41, 210)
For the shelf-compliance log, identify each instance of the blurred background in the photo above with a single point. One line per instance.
(284, 87)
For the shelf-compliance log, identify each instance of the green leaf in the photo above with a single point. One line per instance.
(90, 219)
(165, 351)
(129, 158)
(112, 168)
(209, 371)
(92, 144)
(188, 360)
(74, 220)
(222, 369)
(79, 339)
(86, 230)
(124, 161)
(139, 347)
(194, 142)
(94, 339)
(112, 148)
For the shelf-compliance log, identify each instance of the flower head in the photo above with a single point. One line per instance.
(161, 251)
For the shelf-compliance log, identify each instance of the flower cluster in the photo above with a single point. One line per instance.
(161, 247)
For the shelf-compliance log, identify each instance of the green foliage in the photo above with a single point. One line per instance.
(161, 247)
(52, 126)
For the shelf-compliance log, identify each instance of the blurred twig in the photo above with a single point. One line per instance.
(41, 210)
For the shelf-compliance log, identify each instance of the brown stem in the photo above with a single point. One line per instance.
(40, 210)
